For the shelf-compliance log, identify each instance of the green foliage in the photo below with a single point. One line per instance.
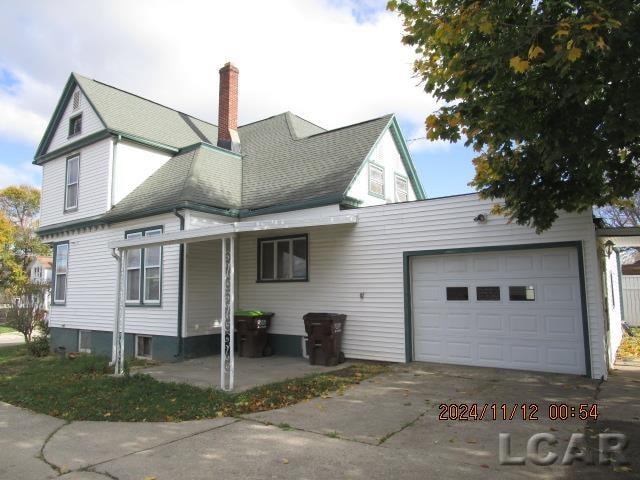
(545, 92)
(27, 314)
(38, 346)
(83, 389)
(19, 209)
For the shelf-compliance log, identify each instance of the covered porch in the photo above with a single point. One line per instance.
(250, 372)
(208, 286)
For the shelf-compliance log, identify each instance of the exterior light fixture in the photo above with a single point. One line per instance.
(608, 248)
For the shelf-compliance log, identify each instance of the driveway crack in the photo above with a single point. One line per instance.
(405, 426)
(44, 445)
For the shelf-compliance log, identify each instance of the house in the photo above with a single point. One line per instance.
(162, 224)
(40, 272)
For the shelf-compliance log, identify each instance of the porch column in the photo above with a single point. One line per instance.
(228, 307)
(117, 353)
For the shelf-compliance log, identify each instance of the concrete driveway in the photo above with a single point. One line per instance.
(386, 427)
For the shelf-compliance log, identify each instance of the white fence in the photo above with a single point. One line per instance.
(631, 299)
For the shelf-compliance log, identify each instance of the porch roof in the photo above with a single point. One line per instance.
(230, 229)
(621, 236)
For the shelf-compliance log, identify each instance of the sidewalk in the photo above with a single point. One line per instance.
(10, 339)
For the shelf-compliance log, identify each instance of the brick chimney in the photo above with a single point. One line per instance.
(228, 109)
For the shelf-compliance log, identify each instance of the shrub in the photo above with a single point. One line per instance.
(38, 346)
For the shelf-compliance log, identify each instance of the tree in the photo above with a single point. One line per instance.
(19, 205)
(27, 312)
(625, 213)
(545, 91)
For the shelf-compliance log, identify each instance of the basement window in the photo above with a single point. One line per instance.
(84, 341)
(75, 125)
(283, 259)
(143, 346)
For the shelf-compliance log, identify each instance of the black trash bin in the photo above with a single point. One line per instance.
(251, 330)
(325, 337)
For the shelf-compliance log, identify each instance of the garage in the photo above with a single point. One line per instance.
(518, 309)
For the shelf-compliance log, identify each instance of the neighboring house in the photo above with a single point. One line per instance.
(313, 220)
(40, 272)
(631, 268)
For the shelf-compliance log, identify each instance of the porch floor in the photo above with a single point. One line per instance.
(249, 372)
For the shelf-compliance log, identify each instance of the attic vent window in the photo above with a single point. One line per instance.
(376, 180)
(76, 99)
(75, 125)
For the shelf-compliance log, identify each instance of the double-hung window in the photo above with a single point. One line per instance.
(61, 261)
(283, 259)
(72, 183)
(376, 180)
(402, 188)
(144, 270)
(75, 125)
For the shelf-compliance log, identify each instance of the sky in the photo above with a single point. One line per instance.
(333, 62)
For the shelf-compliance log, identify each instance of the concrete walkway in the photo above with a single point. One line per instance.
(204, 372)
(386, 427)
(10, 339)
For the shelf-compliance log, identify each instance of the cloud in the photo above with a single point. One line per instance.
(24, 173)
(334, 62)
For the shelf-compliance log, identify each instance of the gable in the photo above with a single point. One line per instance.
(390, 157)
(57, 135)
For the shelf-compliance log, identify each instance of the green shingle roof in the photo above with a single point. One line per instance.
(284, 159)
(128, 113)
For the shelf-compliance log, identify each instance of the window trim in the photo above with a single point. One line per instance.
(259, 278)
(371, 165)
(71, 120)
(54, 275)
(397, 176)
(136, 354)
(141, 301)
(66, 184)
(80, 349)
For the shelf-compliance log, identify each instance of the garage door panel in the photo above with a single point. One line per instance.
(543, 335)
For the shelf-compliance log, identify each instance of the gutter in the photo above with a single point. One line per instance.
(180, 353)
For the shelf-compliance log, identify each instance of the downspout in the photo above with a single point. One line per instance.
(180, 289)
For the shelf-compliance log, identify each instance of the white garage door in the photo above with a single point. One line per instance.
(507, 309)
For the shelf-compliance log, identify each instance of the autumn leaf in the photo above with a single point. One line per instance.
(560, 33)
(486, 27)
(589, 26)
(574, 54)
(601, 44)
(518, 64)
(535, 51)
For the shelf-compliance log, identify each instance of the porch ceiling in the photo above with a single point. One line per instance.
(230, 229)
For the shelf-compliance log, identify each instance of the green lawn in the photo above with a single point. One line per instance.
(82, 389)
(4, 329)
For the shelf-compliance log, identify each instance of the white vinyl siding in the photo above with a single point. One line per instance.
(91, 292)
(133, 165)
(90, 123)
(93, 191)
(347, 260)
(203, 288)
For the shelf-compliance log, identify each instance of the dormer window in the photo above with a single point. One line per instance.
(402, 189)
(75, 125)
(376, 180)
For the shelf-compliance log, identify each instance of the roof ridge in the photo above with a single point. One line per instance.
(144, 98)
(388, 115)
